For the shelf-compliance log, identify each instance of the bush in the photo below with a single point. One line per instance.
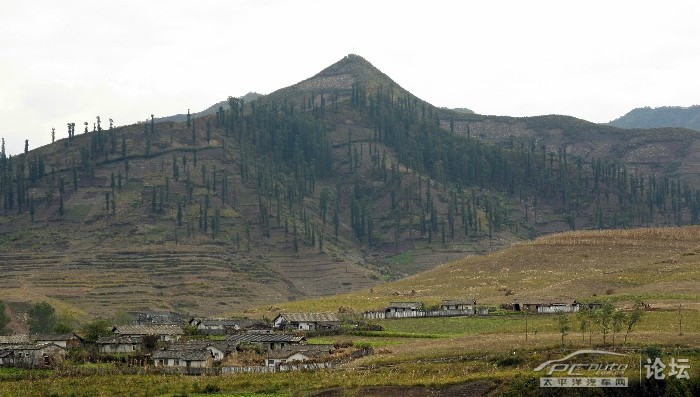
(209, 388)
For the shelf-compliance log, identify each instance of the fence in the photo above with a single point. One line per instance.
(381, 315)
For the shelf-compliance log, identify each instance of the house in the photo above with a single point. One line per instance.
(68, 341)
(468, 304)
(265, 341)
(306, 321)
(181, 356)
(164, 332)
(223, 326)
(118, 344)
(31, 355)
(218, 349)
(402, 307)
(545, 306)
(298, 353)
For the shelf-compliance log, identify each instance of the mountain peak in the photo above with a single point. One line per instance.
(341, 76)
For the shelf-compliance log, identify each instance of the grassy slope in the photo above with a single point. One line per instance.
(660, 266)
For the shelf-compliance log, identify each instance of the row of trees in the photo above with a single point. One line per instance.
(608, 319)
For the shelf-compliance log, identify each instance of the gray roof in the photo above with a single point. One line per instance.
(152, 329)
(310, 317)
(39, 346)
(264, 338)
(55, 337)
(118, 340)
(220, 322)
(222, 345)
(14, 339)
(182, 354)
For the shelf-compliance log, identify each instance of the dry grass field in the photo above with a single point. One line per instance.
(660, 266)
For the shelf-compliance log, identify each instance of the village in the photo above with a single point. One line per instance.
(168, 342)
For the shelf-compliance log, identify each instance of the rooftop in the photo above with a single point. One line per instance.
(309, 317)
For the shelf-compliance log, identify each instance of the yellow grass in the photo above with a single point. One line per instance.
(659, 266)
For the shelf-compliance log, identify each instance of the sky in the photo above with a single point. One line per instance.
(72, 60)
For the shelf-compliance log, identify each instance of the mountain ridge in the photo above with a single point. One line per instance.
(664, 116)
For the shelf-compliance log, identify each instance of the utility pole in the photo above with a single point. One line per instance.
(526, 315)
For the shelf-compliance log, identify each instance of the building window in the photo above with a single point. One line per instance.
(176, 362)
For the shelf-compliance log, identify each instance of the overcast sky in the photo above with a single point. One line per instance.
(69, 61)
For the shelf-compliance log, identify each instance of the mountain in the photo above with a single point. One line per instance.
(665, 116)
(337, 183)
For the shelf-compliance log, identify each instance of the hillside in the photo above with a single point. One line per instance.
(659, 266)
(335, 184)
(664, 116)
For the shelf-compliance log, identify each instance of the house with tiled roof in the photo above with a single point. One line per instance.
(266, 341)
(118, 344)
(67, 340)
(32, 355)
(401, 307)
(298, 353)
(179, 355)
(306, 321)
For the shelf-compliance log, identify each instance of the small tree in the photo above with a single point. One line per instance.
(149, 342)
(96, 328)
(563, 323)
(634, 318)
(604, 319)
(583, 319)
(618, 321)
(42, 318)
